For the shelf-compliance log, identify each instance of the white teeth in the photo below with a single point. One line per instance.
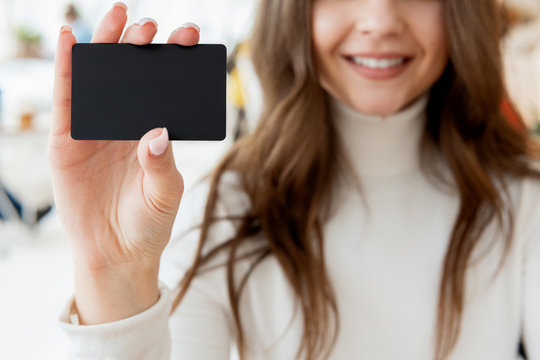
(377, 63)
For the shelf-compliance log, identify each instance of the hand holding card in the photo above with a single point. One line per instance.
(117, 200)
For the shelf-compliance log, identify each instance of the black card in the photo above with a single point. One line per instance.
(121, 91)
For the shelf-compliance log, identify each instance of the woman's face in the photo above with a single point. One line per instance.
(377, 56)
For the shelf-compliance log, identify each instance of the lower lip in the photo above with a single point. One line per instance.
(380, 74)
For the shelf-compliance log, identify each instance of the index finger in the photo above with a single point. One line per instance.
(60, 123)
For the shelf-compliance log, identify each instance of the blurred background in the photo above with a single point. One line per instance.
(35, 262)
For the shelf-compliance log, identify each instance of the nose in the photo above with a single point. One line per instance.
(379, 18)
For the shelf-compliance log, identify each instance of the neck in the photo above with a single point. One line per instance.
(381, 146)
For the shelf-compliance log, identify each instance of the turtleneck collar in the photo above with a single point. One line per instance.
(381, 146)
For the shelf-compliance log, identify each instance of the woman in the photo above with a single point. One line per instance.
(384, 208)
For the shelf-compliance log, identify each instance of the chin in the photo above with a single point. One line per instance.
(378, 108)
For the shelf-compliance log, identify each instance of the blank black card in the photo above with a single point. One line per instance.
(121, 91)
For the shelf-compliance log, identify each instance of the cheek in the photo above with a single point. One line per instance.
(439, 45)
(432, 36)
(326, 29)
(435, 36)
(327, 32)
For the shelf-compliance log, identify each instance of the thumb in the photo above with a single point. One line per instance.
(162, 183)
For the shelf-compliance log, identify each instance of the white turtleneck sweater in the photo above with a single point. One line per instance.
(384, 261)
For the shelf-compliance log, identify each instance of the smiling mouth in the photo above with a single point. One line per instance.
(378, 63)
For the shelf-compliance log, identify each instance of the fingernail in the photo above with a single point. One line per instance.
(192, 25)
(120, 4)
(159, 145)
(65, 28)
(146, 20)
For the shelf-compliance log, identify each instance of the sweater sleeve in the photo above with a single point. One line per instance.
(142, 336)
(531, 269)
(198, 327)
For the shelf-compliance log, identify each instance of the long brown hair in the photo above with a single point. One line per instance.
(288, 166)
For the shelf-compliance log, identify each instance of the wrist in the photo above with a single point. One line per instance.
(115, 292)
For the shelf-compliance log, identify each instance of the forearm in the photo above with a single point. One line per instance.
(115, 292)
